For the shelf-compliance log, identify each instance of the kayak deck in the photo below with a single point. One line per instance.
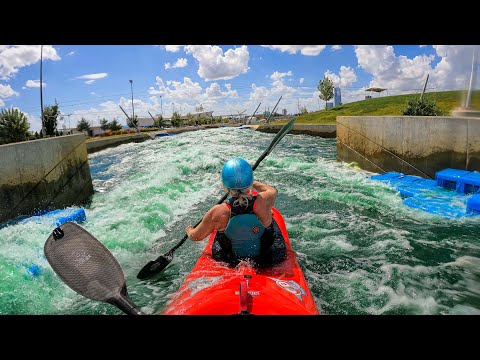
(214, 288)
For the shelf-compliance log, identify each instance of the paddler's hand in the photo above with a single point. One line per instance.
(189, 230)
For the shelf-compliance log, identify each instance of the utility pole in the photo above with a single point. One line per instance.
(473, 77)
(424, 87)
(41, 88)
(161, 104)
(133, 110)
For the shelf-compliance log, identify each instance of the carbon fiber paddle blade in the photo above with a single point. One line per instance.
(84, 264)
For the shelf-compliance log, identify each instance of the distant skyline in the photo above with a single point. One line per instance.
(91, 81)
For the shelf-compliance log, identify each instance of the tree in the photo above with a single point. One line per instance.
(83, 125)
(159, 122)
(104, 124)
(13, 126)
(303, 110)
(421, 107)
(176, 119)
(49, 119)
(132, 122)
(325, 87)
(114, 125)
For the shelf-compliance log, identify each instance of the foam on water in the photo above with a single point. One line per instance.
(362, 250)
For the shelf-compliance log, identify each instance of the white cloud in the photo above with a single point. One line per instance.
(302, 80)
(71, 53)
(307, 50)
(93, 76)
(93, 93)
(394, 72)
(14, 57)
(278, 88)
(6, 91)
(177, 91)
(345, 78)
(278, 75)
(1, 103)
(215, 91)
(215, 65)
(34, 84)
(173, 48)
(180, 63)
(422, 46)
(336, 47)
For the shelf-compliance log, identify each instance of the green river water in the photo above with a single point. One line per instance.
(361, 249)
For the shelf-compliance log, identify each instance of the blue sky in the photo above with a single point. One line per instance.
(91, 81)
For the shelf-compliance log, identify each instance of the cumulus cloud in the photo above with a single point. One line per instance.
(71, 53)
(278, 75)
(307, 50)
(14, 57)
(336, 47)
(176, 90)
(1, 103)
(301, 80)
(214, 91)
(345, 78)
(180, 63)
(6, 91)
(173, 48)
(214, 64)
(399, 72)
(277, 87)
(34, 84)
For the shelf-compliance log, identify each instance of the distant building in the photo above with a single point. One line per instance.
(337, 96)
(329, 105)
(284, 112)
(144, 122)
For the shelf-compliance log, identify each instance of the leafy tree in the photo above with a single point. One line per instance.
(36, 135)
(422, 107)
(13, 126)
(176, 119)
(104, 124)
(159, 122)
(132, 122)
(49, 119)
(303, 110)
(83, 125)
(114, 125)
(325, 87)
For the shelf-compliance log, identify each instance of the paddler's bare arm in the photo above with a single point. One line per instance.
(267, 192)
(215, 219)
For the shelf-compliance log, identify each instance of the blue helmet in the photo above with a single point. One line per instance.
(237, 174)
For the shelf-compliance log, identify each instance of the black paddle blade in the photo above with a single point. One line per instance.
(87, 266)
(154, 267)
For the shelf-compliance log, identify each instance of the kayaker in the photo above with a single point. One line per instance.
(244, 224)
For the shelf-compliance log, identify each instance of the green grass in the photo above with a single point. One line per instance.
(384, 106)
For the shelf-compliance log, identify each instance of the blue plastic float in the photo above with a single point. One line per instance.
(454, 193)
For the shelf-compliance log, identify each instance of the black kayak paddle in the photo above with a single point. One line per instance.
(88, 267)
(155, 266)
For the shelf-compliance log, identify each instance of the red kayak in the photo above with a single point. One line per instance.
(214, 288)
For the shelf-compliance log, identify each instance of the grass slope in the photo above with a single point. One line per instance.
(384, 106)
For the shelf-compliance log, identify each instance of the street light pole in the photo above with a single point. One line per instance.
(161, 104)
(41, 88)
(133, 110)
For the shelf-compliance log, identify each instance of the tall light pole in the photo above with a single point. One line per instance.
(133, 110)
(41, 88)
(473, 78)
(161, 104)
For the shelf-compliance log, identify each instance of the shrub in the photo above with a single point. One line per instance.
(422, 107)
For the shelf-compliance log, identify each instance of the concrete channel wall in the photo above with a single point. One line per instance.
(43, 175)
(414, 145)
(321, 130)
(107, 142)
